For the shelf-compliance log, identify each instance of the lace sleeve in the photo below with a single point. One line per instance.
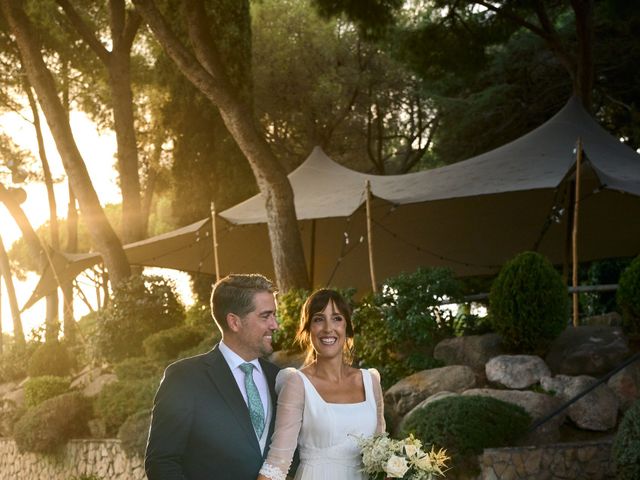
(377, 393)
(288, 421)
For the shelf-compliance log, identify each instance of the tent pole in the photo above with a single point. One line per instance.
(312, 252)
(374, 287)
(576, 205)
(215, 240)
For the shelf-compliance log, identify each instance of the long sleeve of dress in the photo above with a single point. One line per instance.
(377, 394)
(287, 427)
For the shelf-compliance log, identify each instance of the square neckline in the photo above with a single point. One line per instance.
(366, 398)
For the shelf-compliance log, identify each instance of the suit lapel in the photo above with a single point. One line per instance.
(221, 376)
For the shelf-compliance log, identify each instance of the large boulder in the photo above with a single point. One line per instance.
(537, 405)
(587, 350)
(626, 385)
(411, 390)
(516, 371)
(472, 350)
(597, 410)
(94, 387)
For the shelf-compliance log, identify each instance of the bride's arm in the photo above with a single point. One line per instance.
(377, 394)
(288, 422)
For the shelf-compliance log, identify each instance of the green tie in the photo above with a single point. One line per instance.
(256, 410)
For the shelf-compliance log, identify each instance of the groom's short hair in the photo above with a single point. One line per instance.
(235, 293)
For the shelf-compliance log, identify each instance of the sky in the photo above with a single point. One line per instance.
(98, 150)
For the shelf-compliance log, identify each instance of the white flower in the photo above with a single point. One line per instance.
(424, 463)
(396, 466)
(411, 450)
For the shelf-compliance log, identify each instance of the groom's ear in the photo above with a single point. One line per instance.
(233, 321)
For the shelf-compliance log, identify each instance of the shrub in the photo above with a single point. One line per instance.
(137, 368)
(626, 446)
(528, 303)
(10, 413)
(47, 427)
(465, 425)
(628, 296)
(140, 306)
(50, 358)
(39, 389)
(166, 344)
(121, 399)
(199, 315)
(289, 308)
(14, 361)
(134, 432)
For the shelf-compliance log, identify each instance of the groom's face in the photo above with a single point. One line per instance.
(257, 327)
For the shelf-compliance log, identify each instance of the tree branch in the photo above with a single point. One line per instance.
(85, 32)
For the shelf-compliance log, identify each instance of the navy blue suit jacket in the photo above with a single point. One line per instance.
(200, 428)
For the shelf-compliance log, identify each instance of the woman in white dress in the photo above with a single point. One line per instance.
(326, 404)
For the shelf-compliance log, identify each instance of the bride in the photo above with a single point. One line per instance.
(325, 404)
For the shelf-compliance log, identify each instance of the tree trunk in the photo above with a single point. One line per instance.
(69, 323)
(5, 270)
(585, 70)
(207, 73)
(101, 232)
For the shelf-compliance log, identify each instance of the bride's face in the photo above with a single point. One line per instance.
(328, 331)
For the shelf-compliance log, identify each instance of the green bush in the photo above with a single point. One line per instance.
(138, 368)
(134, 432)
(628, 296)
(10, 413)
(119, 400)
(626, 446)
(528, 303)
(466, 425)
(199, 315)
(203, 347)
(50, 358)
(166, 345)
(47, 427)
(14, 361)
(39, 389)
(140, 306)
(289, 308)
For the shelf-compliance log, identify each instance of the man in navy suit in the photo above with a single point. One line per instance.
(202, 428)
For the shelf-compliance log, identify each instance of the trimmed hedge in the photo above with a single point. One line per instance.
(628, 296)
(138, 368)
(50, 358)
(528, 303)
(48, 427)
(626, 446)
(39, 389)
(119, 400)
(134, 432)
(166, 345)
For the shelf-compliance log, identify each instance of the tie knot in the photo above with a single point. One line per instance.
(247, 368)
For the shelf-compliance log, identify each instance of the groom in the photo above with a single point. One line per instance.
(214, 413)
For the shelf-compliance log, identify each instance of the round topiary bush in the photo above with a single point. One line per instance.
(119, 400)
(138, 368)
(626, 446)
(39, 389)
(50, 358)
(140, 306)
(528, 303)
(628, 296)
(466, 425)
(165, 345)
(47, 427)
(134, 432)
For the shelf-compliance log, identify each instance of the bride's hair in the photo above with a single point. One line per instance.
(316, 303)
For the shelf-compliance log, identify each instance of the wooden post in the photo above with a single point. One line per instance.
(215, 241)
(312, 253)
(576, 210)
(374, 284)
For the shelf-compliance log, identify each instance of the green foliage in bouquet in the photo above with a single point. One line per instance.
(465, 425)
(140, 306)
(134, 432)
(528, 303)
(119, 400)
(626, 446)
(39, 389)
(50, 358)
(48, 427)
(628, 297)
(166, 345)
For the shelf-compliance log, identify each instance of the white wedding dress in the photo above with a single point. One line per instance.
(324, 432)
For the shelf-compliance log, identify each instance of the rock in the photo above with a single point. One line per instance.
(626, 385)
(86, 376)
(424, 403)
(94, 387)
(16, 397)
(7, 387)
(410, 391)
(537, 405)
(285, 359)
(587, 350)
(472, 350)
(598, 410)
(516, 371)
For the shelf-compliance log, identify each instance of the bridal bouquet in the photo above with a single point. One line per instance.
(384, 458)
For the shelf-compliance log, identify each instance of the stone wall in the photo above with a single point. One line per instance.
(104, 459)
(590, 460)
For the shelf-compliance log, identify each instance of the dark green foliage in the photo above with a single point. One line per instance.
(139, 307)
(10, 413)
(47, 427)
(626, 446)
(50, 358)
(14, 361)
(602, 272)
(289, 308)
(203, 347)
(528, 303)
(39, 389)
(469, 324)
(167, 344)
(138, 368)
(199, 315)
(628, 296)
(134, 432)
(119, 400)
(465, 425)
